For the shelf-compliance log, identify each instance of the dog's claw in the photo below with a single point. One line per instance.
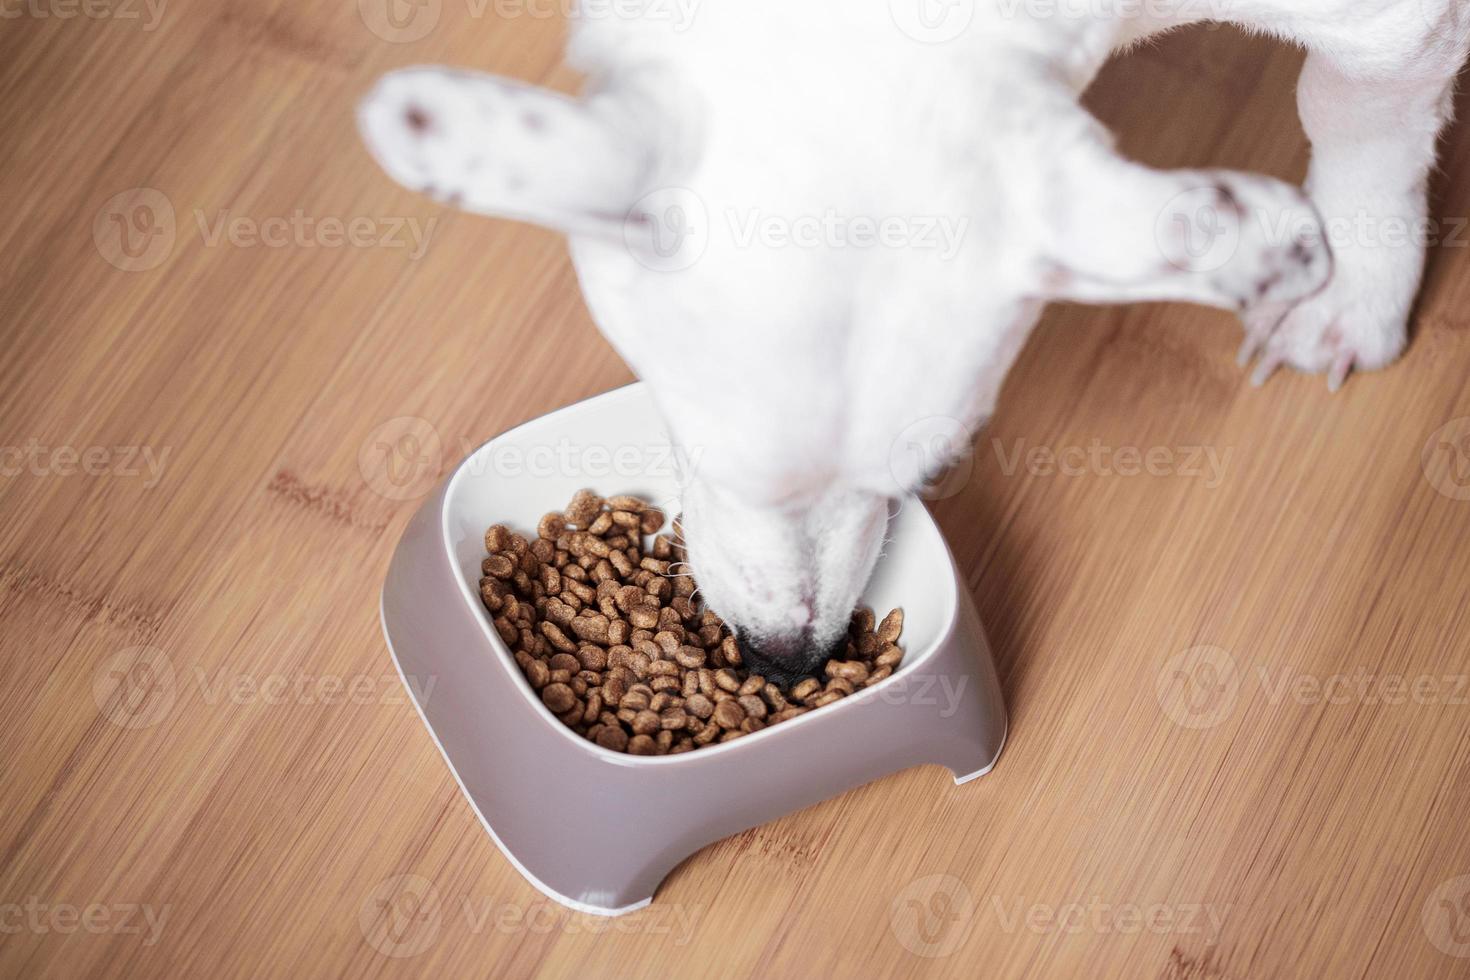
(1266, 368)
(1249, 347)
(1341, 368)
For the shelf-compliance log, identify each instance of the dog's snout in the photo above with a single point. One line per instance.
(786, 658)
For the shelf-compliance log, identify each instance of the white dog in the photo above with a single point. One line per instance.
(815, 228)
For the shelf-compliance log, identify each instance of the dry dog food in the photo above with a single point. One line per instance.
(606, 628)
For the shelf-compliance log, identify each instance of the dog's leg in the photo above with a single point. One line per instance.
(1374, 125)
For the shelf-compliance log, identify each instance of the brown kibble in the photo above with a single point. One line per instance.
(592, 657)
(620, 650)
(538, 674)
(841, 685)
(727, 714)
(500, 566)
(493, 592)
(888, 656)
(583, 509)
(626, 501)
(620, 563)
(613, 737)
(566, 662)
(594, 707)
(559, 698)
(592, 628)
(556, 637)
(497, 538)
(552, 526)
(805, 688)
(852, 671)
(754, 706)
(699, 706)
(688, 657)
(891, 627)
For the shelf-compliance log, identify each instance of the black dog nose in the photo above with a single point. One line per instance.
(784, 660)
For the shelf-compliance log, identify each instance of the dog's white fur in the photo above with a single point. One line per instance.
(794, 369)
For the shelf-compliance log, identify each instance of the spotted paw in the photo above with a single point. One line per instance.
(1335, 332)
(1359, 322)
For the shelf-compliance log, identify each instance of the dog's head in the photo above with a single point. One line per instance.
(823, 269)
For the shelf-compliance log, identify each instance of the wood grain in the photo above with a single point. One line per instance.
(259, 815)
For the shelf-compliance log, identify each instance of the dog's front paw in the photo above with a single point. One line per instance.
(1358, 322)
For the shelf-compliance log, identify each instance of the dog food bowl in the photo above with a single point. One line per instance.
(598, 830)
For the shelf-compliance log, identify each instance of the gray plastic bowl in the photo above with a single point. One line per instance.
(598, 830)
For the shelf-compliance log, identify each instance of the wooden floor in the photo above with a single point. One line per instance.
(1240, 743)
